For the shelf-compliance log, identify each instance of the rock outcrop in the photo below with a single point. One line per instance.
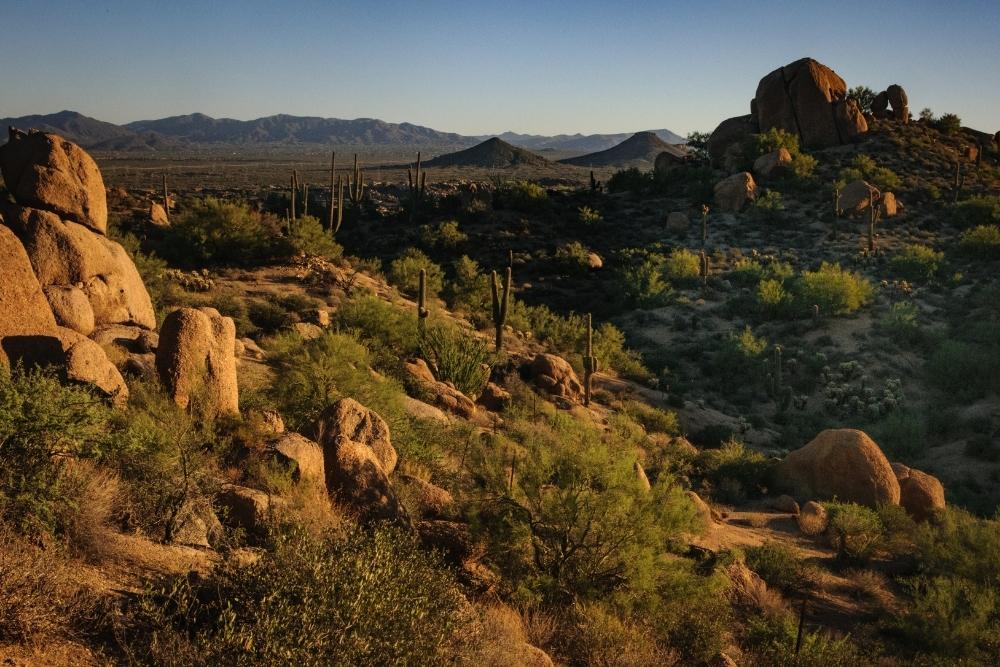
(71, 308)
(734, 192)
(554, 375)
(774, 164)
(857, 197)
(84, 361)
(24, 311)
(349, 419)
(304, 456)
(808, 99)
(441, 394)
(730, 134)
(47, 172)
(196, 357)
(843, 464)
(920, 494)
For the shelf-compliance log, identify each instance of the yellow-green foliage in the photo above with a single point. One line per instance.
(578, 523)
(803, 165)
(682, 265)
(404, 273)
(864, 168)
(835, 290)
(443, 235)
(917, 262)
(213, 231)
(981, 241)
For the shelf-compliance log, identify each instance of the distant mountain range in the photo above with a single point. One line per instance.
(198, 130)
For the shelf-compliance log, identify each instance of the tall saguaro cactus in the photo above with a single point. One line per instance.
(704, 227)
(417, 183)
(704, 267)
(501, 300)
(166, 198)
(295, 187)
(356, 186)
(874, 212)
(590, 363)
(333, 192)
(422, 311)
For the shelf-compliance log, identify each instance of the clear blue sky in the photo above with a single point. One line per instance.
(477, 68)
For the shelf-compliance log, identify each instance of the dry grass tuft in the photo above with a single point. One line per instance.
(93, 496)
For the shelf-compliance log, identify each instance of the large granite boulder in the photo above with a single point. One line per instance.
(810, 100)
(47, 172)
(735, 192)
(196, 356)
(842, 464)
(24, 311)
(554, 375)
(920, 494)
(730, 133)
(349, 419)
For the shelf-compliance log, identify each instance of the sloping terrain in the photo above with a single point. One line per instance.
(492, 153)
(639, 150)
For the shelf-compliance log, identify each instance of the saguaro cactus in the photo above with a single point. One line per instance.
(422, 311)
(501, 300)
(704, 268)
(166, 198)
(356, 187)
(417, 182)
(704, 227)
(294, 188)
(836, 200)
(874, 212)
(333, 201)
(590, 363)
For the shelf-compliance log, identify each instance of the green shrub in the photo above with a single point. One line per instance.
(902, 323)
(803, 165)
(948, 123)
(457, 357)
(964, 370)
(630, 180)
(573, 256)
(950, 616)
(389, 330)
(855, 531)
(734, 471)
(445, 235)
(902, 434)
(364, 598)
(773, 300)
(313, 374)
(683, 266)
(917, 262)
(652, 419)
(470, 290)
(768, 208)
(835, 290)
(864, 96)
(578, 525)
(308, 237)
(780, 566)
(982, 241)
(404, 273)
(741, 353)
(975, 212)
(640, 275)
(212, 231)
(44, 424)
(864, 168)
(524, 196)
(588, 216)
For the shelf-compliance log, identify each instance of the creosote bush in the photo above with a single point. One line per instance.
(404, 273)
(358, 598)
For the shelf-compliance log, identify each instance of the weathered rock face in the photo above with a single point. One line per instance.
(774, 164)
(24, 310)
(305, 455)
(857, 197)
(554, 375)
(494, 397)
(356, 478)
(730, 132)
(71, 308)
(810, 100)
(665, 163)
(921, 495)
(249, 509)
(196, 353)
(844, 464)
(733, 193)
(158, 215)
(880, 105)
(430, 501)
(899, 102)
(47, 172)
(69, 254)
(348, 419)
(86, 362)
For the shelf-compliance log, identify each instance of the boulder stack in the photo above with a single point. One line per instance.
(64, 279)
(808, 99)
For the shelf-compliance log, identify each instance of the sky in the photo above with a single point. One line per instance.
(485, 67)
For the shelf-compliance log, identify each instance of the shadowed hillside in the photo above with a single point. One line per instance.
(492, 153)
(640, 149)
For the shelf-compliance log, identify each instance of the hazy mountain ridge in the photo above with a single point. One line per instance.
(197, 129)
